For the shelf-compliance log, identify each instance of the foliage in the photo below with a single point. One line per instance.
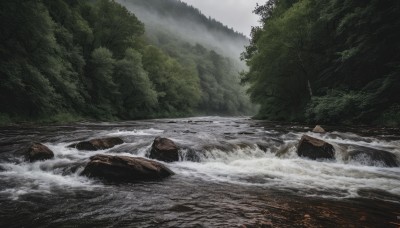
(335, 106)
(67, 60)
(204, 47)
(4, 119)
(137, 91)
(329, 61)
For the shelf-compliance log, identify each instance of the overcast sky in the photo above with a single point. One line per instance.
(233, 13)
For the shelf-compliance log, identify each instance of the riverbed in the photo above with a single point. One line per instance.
(233, 172)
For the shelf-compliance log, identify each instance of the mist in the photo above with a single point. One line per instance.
(190, 30)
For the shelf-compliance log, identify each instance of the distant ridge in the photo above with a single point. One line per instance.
(188, 23)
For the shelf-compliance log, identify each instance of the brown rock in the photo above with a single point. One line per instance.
(97, 144)
(315, 148)
(373, 157)
(38, 151)
(319, 129)
(125, 169)
(164, 149)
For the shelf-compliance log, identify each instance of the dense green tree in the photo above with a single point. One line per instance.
(104, 91)
(62, 60)
(35, 79)
(178, 90)
(137, 93)
(317, 60)
(168, 26)
(114, 27)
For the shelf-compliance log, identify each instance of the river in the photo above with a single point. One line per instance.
(233, 172)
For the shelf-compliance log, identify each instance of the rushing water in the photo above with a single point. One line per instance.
(233, 172)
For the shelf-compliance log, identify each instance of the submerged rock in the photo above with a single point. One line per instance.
(319, 129)
(38, 152)
(181, 208)
(222, 147)
(262, 147)
(97, 144)
(189, 154)
(164, 149)
(125, 169)
(315, 148)
(246, 133)
(372, 157)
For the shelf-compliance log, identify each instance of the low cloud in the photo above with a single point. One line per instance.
(233, 13)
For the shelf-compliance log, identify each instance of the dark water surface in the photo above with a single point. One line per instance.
(233, 172)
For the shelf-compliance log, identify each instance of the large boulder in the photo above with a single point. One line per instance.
(38, 152)
(319, 129)
(164, 149)
(125, 169)
(97, 144)
(315, 148)
(373, 157)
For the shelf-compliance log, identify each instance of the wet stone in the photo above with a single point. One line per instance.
(125, 169)
(164, 149)
(97, 144)
(38, 152)
(319, 129)
(373, 157)
(181, 208)
(315, 148)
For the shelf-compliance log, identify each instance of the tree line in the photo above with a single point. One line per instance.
(69, 59)
(326, 61)
(168, 23)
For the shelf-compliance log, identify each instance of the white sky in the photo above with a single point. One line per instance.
(237, 14)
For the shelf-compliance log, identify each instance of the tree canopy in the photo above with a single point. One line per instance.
(328, 61)
(64, 59)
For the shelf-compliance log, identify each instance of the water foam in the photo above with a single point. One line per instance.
(144, 132)
(278, 167)
(255, 167)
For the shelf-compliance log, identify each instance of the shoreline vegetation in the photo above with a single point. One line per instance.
(93, 60)
(328, 63)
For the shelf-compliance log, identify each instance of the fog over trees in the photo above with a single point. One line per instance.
(66, 60)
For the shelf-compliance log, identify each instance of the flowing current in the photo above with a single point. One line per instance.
(232, 172)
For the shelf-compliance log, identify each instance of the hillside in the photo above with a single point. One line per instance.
(210, 48)
(92, 60)
(327, 61)
(187, 23)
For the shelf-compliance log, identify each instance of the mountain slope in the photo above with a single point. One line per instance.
(208, 47)
(92, 60)
(187, 23)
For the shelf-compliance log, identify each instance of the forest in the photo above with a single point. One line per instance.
(326, 61)
(68, 60)
(185, 23)
(317, 62)
(209, 47)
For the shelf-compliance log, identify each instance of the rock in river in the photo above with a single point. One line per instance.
(315, 148)
(319, 129)
(38, 151)
(164, 149)
(373, 157)
(125, 169)
(97, 144)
